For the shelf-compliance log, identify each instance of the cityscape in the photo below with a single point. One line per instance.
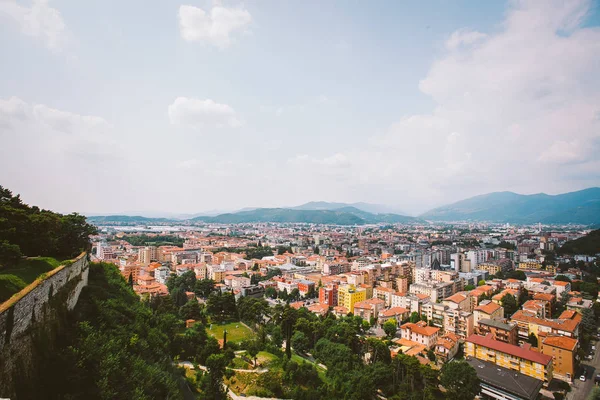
(299, 200)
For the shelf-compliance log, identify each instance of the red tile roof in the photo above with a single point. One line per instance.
(511, 349)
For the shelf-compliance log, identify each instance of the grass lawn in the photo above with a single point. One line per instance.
(264, 358)
(236, 331)
(12, 280)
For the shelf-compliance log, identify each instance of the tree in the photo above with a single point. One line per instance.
(510, 304)
(415, 317)
(533, 340)
(252, 348)
(588, 321)
(481, 283)
(595, 394)
(191, 310)
(204, 287)
(271, 293)
(316, 250)
(562, 278)
(130, 279)
(213, 387)
(390, 327)
(300, 342)
(469, 287)
(460, 380)
(431, 355)
(10, 254)
(224, 339)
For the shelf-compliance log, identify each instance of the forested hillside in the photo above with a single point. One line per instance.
(113, 346)
(31, 231)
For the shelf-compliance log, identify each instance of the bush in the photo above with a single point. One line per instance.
(9, 285)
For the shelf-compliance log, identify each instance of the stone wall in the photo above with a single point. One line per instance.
(33, 308)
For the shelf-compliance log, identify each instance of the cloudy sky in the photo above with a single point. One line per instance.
(115, 106)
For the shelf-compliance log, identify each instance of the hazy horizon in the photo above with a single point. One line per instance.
(185, 107)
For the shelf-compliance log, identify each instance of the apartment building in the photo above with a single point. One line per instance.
(400, 314)
(459, 323)
(384, 293)
(349, 295)
(328, 295)
(563, 351)
(420, 333)
(369, 308)
(521, 359)
(446, 347)
(567, 324)
(488, 310)
(499, 330)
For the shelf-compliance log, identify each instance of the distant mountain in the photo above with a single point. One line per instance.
(343, 216)
(581, 207)
(368, 207)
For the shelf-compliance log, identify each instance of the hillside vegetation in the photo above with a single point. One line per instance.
(589, 244)
(111, 347)
(31, 231)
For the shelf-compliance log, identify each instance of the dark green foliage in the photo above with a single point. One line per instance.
(35, 232)
(460, 380)
(9, 285)
(589, 244)
(221, 306)
(14, 279)
(252, 310)
(533, 340)
(510, 304)
(204, 287)
(113, 346)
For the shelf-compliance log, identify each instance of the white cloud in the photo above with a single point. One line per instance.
(67, 122)
(517, 109)
(214, 27)
(38, 20)
(198, 113)
(464, 37)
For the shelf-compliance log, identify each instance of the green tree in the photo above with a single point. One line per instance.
(204, 287)
(271, 293)
(481, 283)
(390, 327)
(213, 386)
(300, 342)
(510, 304)
(460, 380)
(594, 394)
(588, 321)
(533, 340)
(415, 317)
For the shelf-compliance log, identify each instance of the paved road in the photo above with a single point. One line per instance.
(581, 390)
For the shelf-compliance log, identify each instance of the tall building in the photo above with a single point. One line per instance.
(348, 295)
(146, 255)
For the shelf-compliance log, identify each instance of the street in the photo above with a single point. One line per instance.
(581, 390)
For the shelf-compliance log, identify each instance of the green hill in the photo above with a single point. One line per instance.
(589, 244)
(581, 207)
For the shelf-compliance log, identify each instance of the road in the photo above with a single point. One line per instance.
(581, 390)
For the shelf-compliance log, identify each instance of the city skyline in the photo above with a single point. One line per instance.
(196, 106)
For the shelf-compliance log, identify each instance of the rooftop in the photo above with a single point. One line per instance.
(506, 380)
(511, 349)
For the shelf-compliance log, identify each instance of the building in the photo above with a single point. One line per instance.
(348, 295)
(305, 286)
(400, 314)
(420, 333)
(495, 266)
(328, 295)
(458, 322)
(446, 347)
(520, 359)
(567, 324)
(500, 331)
(488, 310)
(369, 308)
(384, 294)
(504, 384)
(563, 351)
(147, 254)
(402, 284)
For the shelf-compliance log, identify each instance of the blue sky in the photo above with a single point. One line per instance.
(112, 106)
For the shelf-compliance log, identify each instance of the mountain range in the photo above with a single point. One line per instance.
(581, 207)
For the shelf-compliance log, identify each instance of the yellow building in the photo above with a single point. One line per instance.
(348, 295)
(530, 265)
(521, 359)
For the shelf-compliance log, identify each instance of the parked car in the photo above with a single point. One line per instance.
(594, 348)
(582, 378)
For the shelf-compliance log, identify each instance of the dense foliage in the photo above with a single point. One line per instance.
(589, 244)
(112, 347)
(29, 230)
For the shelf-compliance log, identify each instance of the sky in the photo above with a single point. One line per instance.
(186, 107)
